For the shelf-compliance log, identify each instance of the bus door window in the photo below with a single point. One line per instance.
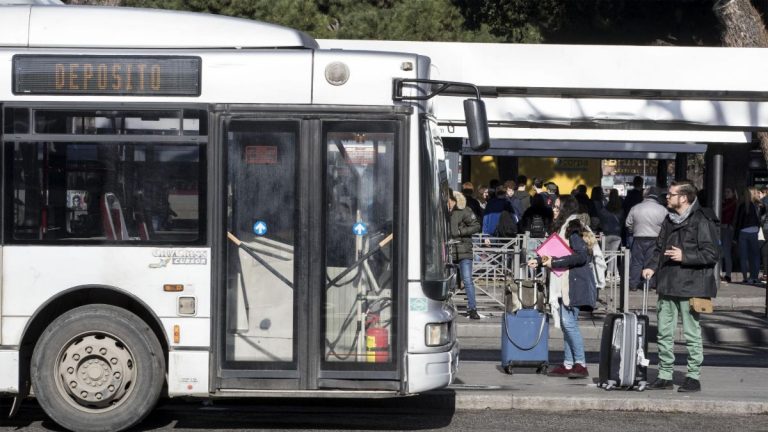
(359, 213)
(261, 213)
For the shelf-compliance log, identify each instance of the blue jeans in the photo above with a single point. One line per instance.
(749, 252)
(573, 343)
(465, 268)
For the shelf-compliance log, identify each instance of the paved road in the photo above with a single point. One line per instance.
(419, 413)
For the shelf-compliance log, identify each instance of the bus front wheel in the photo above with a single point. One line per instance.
(97, 368)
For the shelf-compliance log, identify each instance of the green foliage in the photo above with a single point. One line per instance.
(424, 20)
(520, 21)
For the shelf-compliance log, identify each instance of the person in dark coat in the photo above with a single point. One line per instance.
(684, 264)
(463, 225)
(496, 205)
(538, 208)
(573, 290)
(747, 227)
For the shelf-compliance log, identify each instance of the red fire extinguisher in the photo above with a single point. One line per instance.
(376, 340)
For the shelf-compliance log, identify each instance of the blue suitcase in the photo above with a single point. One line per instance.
(525, 340)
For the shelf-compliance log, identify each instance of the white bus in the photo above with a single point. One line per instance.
(203, 206)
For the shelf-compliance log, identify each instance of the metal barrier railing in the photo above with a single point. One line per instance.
(497, 259)
(494, 258)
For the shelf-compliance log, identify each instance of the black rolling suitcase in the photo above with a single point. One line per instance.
(623, 348)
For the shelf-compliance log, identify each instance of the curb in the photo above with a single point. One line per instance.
(506, 400)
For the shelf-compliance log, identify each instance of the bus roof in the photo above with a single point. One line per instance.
(36, 26)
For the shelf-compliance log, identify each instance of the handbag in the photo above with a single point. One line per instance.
(701, 304)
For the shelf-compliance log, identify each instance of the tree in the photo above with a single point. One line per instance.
(517, 21)
(423, 20)
(742, 26)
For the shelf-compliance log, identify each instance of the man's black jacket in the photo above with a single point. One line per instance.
(695, 275)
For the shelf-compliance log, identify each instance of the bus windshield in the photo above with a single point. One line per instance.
(434, 180)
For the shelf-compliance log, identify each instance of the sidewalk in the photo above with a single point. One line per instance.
(734, 375)
(725, 390)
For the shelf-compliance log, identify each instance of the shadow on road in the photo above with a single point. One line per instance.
(430, 411)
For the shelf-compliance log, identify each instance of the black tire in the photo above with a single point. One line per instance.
(98, 368)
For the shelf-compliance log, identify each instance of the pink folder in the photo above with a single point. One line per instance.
(554, 246)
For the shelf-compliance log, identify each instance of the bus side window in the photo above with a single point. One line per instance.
(113, 218)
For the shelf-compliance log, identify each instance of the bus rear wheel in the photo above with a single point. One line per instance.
(97, 368)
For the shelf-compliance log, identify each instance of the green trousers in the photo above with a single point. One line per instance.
(667, 310)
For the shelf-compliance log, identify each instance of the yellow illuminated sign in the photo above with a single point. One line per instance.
(107, 75)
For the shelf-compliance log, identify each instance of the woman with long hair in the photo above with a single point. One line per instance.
(575, 289)
(747, 226)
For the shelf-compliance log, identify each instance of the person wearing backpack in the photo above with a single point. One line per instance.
(683, 262)
(497, 205)
(514, 201)
(522, 194)
(538, 218)
(463, 225)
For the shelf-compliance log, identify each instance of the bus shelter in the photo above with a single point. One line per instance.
(590, 101)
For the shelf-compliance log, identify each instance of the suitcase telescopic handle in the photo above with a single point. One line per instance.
(646, 287)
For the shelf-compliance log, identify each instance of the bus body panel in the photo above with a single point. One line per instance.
(226, 76)
(188, 373)
(430, 371)
(34, 274)
(9, 364)
(13, 26)
(370, 76)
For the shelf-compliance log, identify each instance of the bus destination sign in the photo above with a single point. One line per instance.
(106, 75)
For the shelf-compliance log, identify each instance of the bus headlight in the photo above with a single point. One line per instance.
(437, 334)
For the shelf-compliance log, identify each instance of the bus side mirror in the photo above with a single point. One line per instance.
(477, 125)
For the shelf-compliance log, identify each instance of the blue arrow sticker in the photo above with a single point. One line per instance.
(260, 228)
(359, 229)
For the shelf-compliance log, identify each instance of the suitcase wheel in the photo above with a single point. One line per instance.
(542, 369)
(509, 369)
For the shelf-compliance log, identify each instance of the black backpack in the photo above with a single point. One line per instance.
(506, 227)
(538, 228)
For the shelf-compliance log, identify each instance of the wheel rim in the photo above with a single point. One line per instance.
(95, 372)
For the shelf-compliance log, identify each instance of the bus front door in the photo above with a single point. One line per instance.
(310, 297)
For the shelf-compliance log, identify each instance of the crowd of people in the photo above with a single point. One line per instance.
(674, 241)
(743, 223)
